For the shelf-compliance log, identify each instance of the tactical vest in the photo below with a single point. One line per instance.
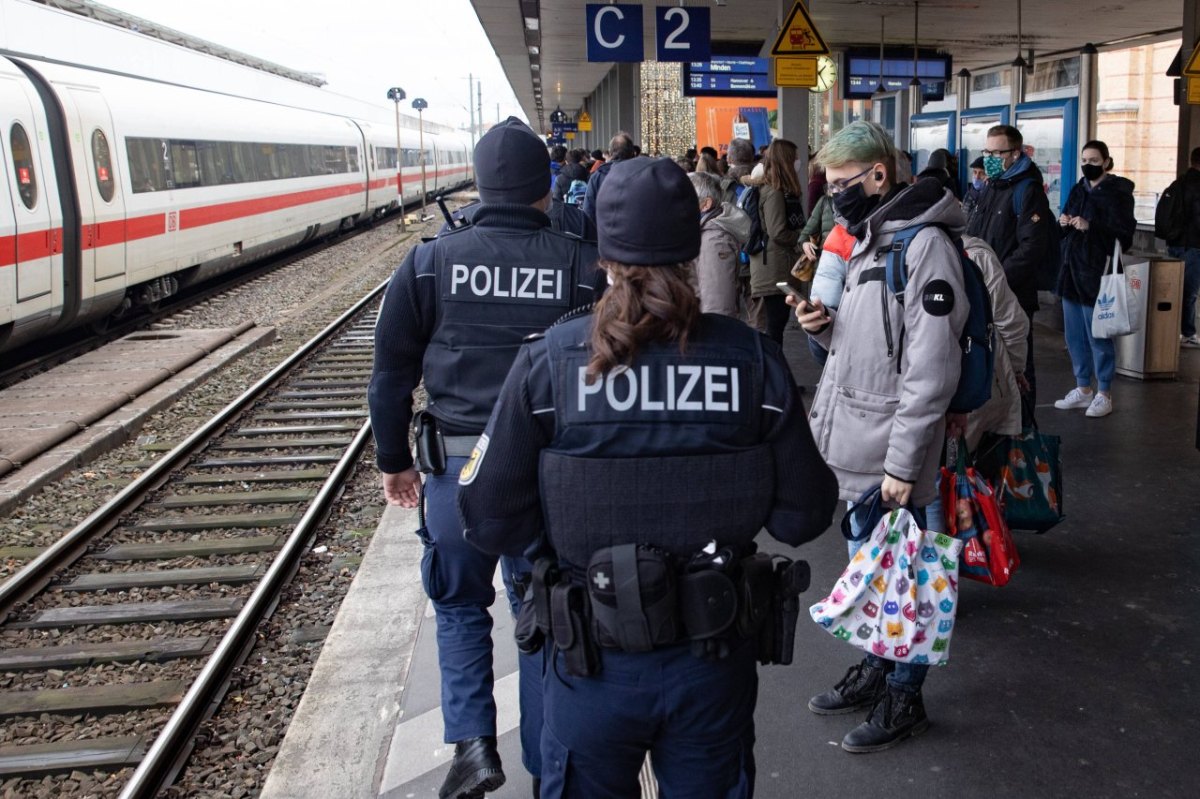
(494, 288)
(667, 453)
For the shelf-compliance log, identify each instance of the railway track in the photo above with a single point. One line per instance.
(141, 613)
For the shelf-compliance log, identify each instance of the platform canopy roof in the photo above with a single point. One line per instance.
(977, 33)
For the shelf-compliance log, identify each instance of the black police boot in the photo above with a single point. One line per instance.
(896, 715)
(858, 689)
(537, 788)
(475, 770)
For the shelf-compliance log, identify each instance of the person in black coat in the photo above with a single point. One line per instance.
(1014, 218)
(1099, 212)
(1187, 249)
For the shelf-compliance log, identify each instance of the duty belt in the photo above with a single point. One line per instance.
(459, 446)
(637, 598)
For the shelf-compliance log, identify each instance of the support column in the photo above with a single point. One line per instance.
(1088, 93)
(629, 100)
(1018, 89)
(793, 110)
(962, 90)
(1189, 115)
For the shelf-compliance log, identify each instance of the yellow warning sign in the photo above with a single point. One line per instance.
(584, 121)
(1193, 91)
(799, 35)
(1192, 70)
(795, 73)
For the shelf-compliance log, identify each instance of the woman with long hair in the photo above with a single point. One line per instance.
(781, 215)
(636, 451)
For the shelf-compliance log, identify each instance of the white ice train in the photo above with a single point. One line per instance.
(116, 189)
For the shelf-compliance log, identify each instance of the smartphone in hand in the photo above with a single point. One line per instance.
(796, 292)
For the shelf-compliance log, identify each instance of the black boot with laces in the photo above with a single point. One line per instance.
(896, 715)
(858, 689)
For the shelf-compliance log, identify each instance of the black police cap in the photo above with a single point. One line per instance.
(511, 164)
(647, 214)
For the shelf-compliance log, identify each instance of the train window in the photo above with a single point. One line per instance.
(185, 169)
(22, 156)
(385, 157)
(352, 159)
(102, 157)
(147, 168)
(335, 160)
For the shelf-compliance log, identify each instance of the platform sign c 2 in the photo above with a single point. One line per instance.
(682, 33)
(614, 32)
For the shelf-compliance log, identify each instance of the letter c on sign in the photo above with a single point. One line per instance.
(600, 36)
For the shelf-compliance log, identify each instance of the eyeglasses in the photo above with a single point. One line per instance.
(839, 186)
(1000, 152)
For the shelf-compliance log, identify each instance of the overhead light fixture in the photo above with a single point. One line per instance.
(535, 67)
(916, 41)
(534, 49)
(1019, 61)
(532, 23)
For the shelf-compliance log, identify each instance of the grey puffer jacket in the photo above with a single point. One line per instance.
(722, 232)
(881, 404)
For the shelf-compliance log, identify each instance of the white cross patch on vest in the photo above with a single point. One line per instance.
(601, 580)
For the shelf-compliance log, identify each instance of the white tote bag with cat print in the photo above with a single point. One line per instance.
(898, 596)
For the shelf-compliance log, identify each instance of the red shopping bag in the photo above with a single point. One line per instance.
(973, 515)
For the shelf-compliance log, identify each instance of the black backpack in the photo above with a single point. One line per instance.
(978, 337)
(756, 242)
(1047, 273)
(1170, 215)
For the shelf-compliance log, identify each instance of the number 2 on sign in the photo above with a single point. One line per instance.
(671, 42)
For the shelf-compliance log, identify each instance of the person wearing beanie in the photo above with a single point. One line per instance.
(975, 188)
(454, 315)
(648, 443)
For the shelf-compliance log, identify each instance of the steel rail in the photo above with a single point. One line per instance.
(71, 546)
(173, 745)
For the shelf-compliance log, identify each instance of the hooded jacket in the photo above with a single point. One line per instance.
(1002, 413)
(1108, 209)
(1020, 244)
(881, 404)
(723, 230)
(569, 172)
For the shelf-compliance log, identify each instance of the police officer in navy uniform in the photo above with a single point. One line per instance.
(651, 443)
(455, 314)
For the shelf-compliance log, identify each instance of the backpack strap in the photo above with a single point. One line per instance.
(896, 269)
(1019, 192)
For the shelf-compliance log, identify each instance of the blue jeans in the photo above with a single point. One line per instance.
(458, 579)
(695, 717)
(1191, 286)
(1090, 356)
(905, 676)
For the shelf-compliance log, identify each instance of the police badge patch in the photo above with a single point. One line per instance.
(467, 475)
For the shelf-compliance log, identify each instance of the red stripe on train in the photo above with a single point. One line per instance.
(43, 243)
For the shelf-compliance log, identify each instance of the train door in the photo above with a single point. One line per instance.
(28, 184)
(104, 237)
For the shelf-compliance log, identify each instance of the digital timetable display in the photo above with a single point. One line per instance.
(728, 76)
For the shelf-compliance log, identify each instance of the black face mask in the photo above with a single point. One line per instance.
(854, 205)
(1092, 171)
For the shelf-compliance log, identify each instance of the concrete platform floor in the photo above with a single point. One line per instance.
(1077, 679)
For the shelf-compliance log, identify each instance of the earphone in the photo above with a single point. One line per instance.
(878, 177)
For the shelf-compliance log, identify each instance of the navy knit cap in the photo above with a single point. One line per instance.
(977, 163)
(647, 214)
(511, 164)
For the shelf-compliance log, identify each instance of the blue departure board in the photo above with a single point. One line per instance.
(728, 76)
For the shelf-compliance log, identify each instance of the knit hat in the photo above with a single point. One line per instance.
(647, 214)
(511, 164)
(977, 163)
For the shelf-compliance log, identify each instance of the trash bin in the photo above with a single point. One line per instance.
(1153, 351)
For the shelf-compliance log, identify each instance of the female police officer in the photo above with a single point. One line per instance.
(650, 443)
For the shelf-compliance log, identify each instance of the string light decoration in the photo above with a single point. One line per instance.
(668, 118)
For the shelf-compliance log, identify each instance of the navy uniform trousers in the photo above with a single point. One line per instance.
(695, 717)
(458, 579)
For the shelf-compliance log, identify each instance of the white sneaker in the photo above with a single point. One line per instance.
(1078, 398)
(1191, 341)
(1101, 406)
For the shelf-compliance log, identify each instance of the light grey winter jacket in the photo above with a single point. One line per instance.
(722, 234)
(1002, 413)
(881, 403)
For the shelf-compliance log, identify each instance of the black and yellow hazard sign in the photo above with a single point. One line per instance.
(799, 35)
